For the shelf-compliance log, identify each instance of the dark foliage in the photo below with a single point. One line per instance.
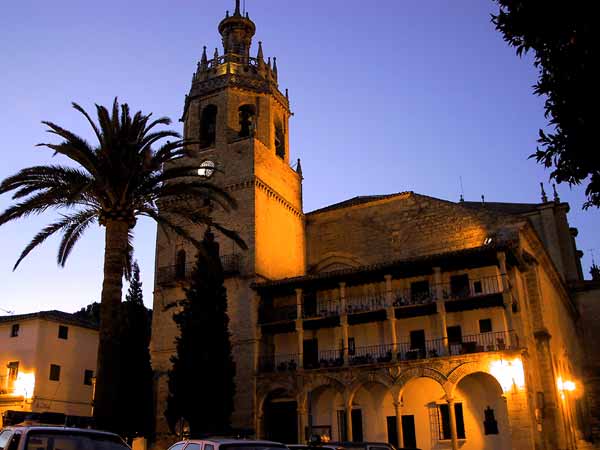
(135, 414)
(201, 382)
(90, 312)
(563, 37)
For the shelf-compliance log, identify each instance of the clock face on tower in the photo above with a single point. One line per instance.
(206, 169)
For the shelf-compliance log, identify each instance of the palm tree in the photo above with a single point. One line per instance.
(112, 183)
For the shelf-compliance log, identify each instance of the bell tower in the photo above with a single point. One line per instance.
(238, 119)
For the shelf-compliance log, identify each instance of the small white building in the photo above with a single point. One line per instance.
(47, 363)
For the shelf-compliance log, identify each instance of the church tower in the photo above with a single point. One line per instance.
(238, 118)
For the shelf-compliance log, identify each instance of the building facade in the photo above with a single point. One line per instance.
(47, 363)
(401, 318)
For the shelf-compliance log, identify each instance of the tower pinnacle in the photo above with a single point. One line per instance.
(237, 32)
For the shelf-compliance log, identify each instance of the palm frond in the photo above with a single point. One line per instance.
(72, 233)
(48, 231)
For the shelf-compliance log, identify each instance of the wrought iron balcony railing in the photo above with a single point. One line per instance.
(365, 303)
(183, 272)
(388, 353)
(475, 288)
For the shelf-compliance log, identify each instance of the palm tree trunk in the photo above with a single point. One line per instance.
(107, 378)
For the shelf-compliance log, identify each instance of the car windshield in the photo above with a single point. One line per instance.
(69, 440)
(252, 446)
(4, 436)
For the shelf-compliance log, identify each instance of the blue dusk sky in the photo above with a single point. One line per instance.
(388, 96)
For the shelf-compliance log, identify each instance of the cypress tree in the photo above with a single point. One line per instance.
(135, 412)
(201, 381)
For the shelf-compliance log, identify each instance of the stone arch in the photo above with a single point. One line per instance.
(208, 126)
(362, 380)
(419, 372)
(464, 370)
(271, 388)
(319, 382)
(247, 120)
(337, 261)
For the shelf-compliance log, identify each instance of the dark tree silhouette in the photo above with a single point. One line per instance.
(203, 369)
(90, 312)
(564, 41)
(135, 413)
(114, 182)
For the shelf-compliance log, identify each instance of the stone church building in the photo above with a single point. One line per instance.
(401, 318)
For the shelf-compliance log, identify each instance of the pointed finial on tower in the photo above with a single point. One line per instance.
(462, 198)
(287, 96)
(275, 65)
(544, 196)
(204, 59)
(556, 197)
(482, 199)
(237, 8)
(227, 14)
(260, 55)
(269, 63)
(299, 168)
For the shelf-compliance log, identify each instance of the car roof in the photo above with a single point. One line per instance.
(55, 428)
(224, 441)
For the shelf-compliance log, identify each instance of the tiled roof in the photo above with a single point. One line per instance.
(54, 316)
(357, 201)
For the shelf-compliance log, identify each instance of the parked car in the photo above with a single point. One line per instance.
(54, 438)
(226, 444)
(368, 446)
(314, 447)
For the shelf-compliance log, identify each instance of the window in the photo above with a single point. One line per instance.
(208, 447)
(4, 437)
(88, 375)
(196, 446)
(477, 287)
(14, 331)
(459, 286)
(485, 326)
(180, 265)
(444, 416)
(419, 291)
(490, 424)
(417, 344)
(177, 446)
(279, 140)
(351, 346)
(14, 442)
(208, 126)
(13, 370)
(63, 332)
(54, 372)
(247, 121)
(454, 335)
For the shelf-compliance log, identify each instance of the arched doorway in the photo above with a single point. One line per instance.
(280, 417)
(326, 413)
(373, 415)
(422, 402)
(485, 412)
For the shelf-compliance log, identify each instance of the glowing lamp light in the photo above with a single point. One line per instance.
(508, 373)
(24, 385)
(488, 240)
(566, 385)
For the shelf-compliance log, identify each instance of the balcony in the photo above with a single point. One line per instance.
(394, 353)
(171, 275)
(408, 302)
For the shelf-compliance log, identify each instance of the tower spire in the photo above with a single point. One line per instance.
(237, 8)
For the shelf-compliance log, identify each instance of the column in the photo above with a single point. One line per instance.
(399, 431)
(452, 414)
(344, 322)
(506, 296)
(302, 421)
(349, 422)
(389, 295)
(438, 291)
(299, 329)
(260, 425)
